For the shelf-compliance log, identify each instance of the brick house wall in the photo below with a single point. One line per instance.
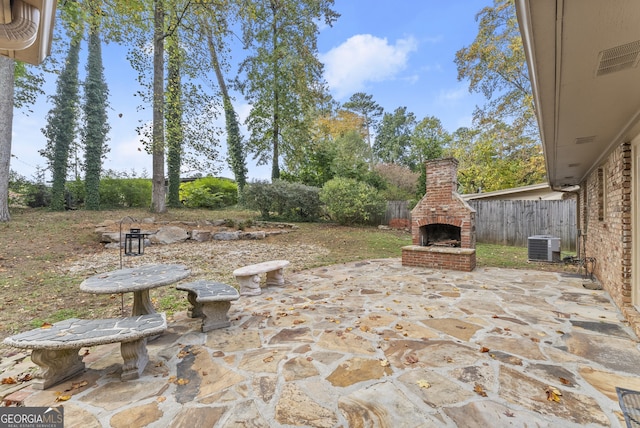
(605, 209)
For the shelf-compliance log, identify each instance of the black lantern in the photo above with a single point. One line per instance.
(134, 243)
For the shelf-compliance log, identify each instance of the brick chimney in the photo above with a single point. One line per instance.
(442, 179)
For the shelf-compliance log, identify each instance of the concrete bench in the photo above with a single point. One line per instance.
(210, 301)
(249, 276)
(55, 349)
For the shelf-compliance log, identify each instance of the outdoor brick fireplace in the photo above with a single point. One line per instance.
(443, 226)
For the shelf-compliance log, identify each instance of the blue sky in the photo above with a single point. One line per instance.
(400, 52)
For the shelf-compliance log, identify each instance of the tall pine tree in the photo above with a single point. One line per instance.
(283, 77)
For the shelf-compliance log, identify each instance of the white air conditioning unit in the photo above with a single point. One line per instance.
(544, 248)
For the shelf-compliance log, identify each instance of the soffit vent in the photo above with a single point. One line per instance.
(618, 58)
(585, 140)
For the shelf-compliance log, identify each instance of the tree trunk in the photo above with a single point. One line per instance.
(234, 139)
(275, 167)
(174, 120)
(7, 67)
(158, 192)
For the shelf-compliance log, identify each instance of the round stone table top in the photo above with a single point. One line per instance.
(135, 279)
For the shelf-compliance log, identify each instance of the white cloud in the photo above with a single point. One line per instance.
(454, 94)
(364, 58)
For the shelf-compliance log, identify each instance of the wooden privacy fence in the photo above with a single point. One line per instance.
(397, 209)
(513, 222)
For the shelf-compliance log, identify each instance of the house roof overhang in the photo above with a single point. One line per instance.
(26, 29)
(583, 59)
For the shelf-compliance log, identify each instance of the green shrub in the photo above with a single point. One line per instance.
(125, 192)
(259, 195)
(37, 195)
(209, 192)
(283, 200)
(74, 193)
(352, 202)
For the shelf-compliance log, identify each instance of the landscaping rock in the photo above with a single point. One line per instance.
(109, 237)
(226, 236)
(200, 235)
(253, 235)
(169, 235)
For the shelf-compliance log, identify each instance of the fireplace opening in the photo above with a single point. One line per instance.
(440, 235)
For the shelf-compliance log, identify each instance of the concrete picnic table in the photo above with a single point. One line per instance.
(138, 280)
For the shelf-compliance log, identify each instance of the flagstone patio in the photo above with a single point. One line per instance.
(372, 344)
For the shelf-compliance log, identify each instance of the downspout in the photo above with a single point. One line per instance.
(22, 30)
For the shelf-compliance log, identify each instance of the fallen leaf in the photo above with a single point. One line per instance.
(63, 397)
(8, 381)
(411, 359)
(296, 322)
(508, 414)
(46, 325)
(161, 399)
(423, 384)
(565, 381)
(399, 327)
(535, 339)
(484, 349)
(365, 328)
(78, 385)
(25, 377)
(182, 381)
(268, 359)
(553, 394)
(479, 390)
(385, 363)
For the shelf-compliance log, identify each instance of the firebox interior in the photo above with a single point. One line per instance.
(438, 234)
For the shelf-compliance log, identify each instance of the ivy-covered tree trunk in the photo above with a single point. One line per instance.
(174, 119)
(62, 124)
(158, 192)
(275, 138)
(7, 68)
(96, 126)
(235, 149)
